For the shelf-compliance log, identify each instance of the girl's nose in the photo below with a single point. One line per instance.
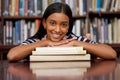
(57, 29)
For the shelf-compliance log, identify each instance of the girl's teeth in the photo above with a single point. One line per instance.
(56, 36)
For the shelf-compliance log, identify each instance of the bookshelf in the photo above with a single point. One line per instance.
(84, 11)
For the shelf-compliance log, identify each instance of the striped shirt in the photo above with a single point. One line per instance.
(73, 36)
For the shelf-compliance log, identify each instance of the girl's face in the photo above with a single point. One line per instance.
(56, 25)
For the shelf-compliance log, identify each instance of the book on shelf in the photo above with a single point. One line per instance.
(59, 54)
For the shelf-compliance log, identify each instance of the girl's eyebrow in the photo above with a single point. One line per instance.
(65, 21)
(55, 19)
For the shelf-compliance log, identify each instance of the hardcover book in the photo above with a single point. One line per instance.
(59, 54)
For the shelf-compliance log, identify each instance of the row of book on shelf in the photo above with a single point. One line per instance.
(59, 61)
(105, 30)
(102, 30)
(18, 31)
(37, 7)
(104, 5)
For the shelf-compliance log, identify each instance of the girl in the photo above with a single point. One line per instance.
(56, 30)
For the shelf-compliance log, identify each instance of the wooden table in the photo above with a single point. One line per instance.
(97, 70)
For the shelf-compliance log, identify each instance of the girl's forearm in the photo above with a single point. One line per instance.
(100, 50)
(20, 52)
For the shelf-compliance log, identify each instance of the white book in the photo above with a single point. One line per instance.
(112, 6)
(47, 49)
(58, 50)
(110, 33)
(70, 52)
(116, 5)
(115, 30)
(80, 7)
(35, 7)
(104, 7)
(44, 5)
(77, 25)
(118, 30)
(25, 32)
(75, 57)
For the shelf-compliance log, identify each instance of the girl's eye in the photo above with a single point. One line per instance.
(64, 24)
(52, 23)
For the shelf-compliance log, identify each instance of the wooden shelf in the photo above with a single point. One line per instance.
(104, 14)
(116, 47)
(5, 48)
(110, 13)
(22, 17)
(79, 17)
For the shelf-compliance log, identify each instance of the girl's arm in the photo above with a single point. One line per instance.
(21, 51)
(99, 50)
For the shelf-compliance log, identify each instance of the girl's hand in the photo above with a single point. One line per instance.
(60, 43)
(69, 43)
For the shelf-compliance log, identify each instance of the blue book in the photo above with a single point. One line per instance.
(84, 7)
(21, 8)
(98, 5)
(17, 31)
(31, 7)
(105, 30)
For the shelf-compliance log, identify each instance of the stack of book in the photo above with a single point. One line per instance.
(60, 69)
(59, 54)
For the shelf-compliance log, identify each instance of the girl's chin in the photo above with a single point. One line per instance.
(55, 40)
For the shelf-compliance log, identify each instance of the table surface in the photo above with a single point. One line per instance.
(81, 70)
